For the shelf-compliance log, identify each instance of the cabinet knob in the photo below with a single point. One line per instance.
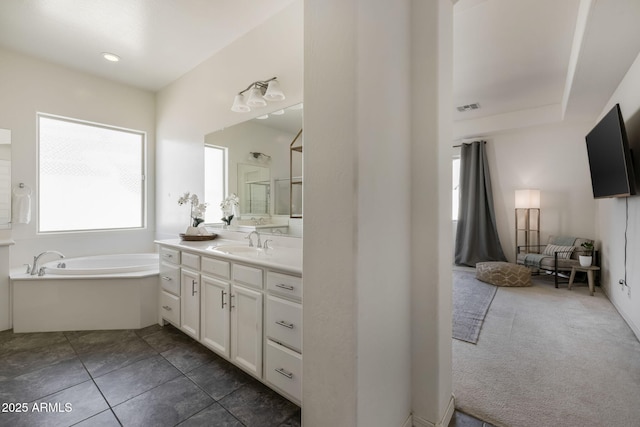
(167, 278)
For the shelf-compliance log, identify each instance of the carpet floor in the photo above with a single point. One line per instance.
(550, 357)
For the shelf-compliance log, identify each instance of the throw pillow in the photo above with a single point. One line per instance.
(564, 252)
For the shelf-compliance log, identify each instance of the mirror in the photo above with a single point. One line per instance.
(258, 170)
(5, 178)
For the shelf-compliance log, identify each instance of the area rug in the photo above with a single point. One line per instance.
(471, 301)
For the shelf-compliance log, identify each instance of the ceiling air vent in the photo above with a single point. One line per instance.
(468, 107)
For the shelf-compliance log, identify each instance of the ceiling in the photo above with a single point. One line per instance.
(158, 40)
(529, 62)
(525, 62)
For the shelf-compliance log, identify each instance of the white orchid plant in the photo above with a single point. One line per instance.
(228, 207)
(197, 209)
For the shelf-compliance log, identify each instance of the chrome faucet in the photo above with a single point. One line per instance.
(251, 241)
(34, 268)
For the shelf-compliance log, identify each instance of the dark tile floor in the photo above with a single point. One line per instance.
(461, 419)
(154, 376)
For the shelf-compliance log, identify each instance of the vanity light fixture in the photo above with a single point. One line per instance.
(260, 157)
(111, 57)
(258, 94)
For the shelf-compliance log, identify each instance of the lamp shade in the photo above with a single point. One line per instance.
(239, 106)
(274, 93)
(527, 199)
(256, 99)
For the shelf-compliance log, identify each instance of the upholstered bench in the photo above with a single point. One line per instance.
(503, 273)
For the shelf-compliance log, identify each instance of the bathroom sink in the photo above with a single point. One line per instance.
(238, 250)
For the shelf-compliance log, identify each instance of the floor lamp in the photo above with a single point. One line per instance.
(527, 221)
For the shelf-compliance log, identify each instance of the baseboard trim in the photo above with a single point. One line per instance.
(408, 422)
(444, 422)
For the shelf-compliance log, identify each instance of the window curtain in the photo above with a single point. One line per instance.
(477, 235)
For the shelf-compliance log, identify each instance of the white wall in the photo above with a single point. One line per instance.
(553, 159)
(30, 86)
(200, 102)
(377, 312)
(612, 214)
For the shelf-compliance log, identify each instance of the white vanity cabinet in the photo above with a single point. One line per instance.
(169, 286)
(246, 313)
(283, 329)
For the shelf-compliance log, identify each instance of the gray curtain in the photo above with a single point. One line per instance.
(477, 236)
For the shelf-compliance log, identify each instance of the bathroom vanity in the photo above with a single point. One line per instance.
(244, 303)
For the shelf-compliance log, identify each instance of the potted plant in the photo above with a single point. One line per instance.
(587, 254)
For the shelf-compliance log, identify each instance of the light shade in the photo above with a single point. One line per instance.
(274, 93)
(527, 199)
(256, 99)
(239, 106)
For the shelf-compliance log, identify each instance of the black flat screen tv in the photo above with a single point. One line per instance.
(610, 159)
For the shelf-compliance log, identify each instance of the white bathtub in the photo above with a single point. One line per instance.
(95, 292)
(103, 264)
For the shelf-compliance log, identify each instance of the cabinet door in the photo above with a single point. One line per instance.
(246, 329)
(214, 307)
(190, 302)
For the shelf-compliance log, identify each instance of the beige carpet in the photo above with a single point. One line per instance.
(550, 357)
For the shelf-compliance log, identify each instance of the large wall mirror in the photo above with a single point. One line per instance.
(258, 170)
(5, 178)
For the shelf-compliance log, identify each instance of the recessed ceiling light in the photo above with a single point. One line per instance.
(266, 116)
(278, 113)
(110, 57)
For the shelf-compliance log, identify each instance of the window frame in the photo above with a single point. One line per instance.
(143, 170)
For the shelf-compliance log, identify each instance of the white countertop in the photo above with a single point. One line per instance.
(278, 258)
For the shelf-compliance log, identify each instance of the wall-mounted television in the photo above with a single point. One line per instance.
(610, 159)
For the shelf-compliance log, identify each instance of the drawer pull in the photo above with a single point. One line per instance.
(285, 373)
(285, 324)
(222, 298)
(167, 278)
(167, 255)
(286, 287)
(166, 307)
(193, 287)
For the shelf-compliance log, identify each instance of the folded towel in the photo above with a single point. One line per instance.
(21, 209)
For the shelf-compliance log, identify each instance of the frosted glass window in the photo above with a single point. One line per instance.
(90, 177)
(215, 181)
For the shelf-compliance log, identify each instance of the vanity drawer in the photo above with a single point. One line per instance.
(170, 307)
(284, 284)
(216, 267)
(248, 275)
(191, 260)
(170, 277)
(284, 322)
(284, 369)
(170, 255)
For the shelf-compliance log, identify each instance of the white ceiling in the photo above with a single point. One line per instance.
(530, 62)
(524, 61)
(158, 40)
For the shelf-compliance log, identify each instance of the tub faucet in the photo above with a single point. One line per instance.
(34, 268)
(259, 244)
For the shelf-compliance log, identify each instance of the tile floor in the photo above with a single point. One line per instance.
(461, 419)
(154, 376)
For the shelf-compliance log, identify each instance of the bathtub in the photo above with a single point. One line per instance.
(87, 293)
(103, 264)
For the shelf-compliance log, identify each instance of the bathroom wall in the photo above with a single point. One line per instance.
(200, 103)
(30, 86)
